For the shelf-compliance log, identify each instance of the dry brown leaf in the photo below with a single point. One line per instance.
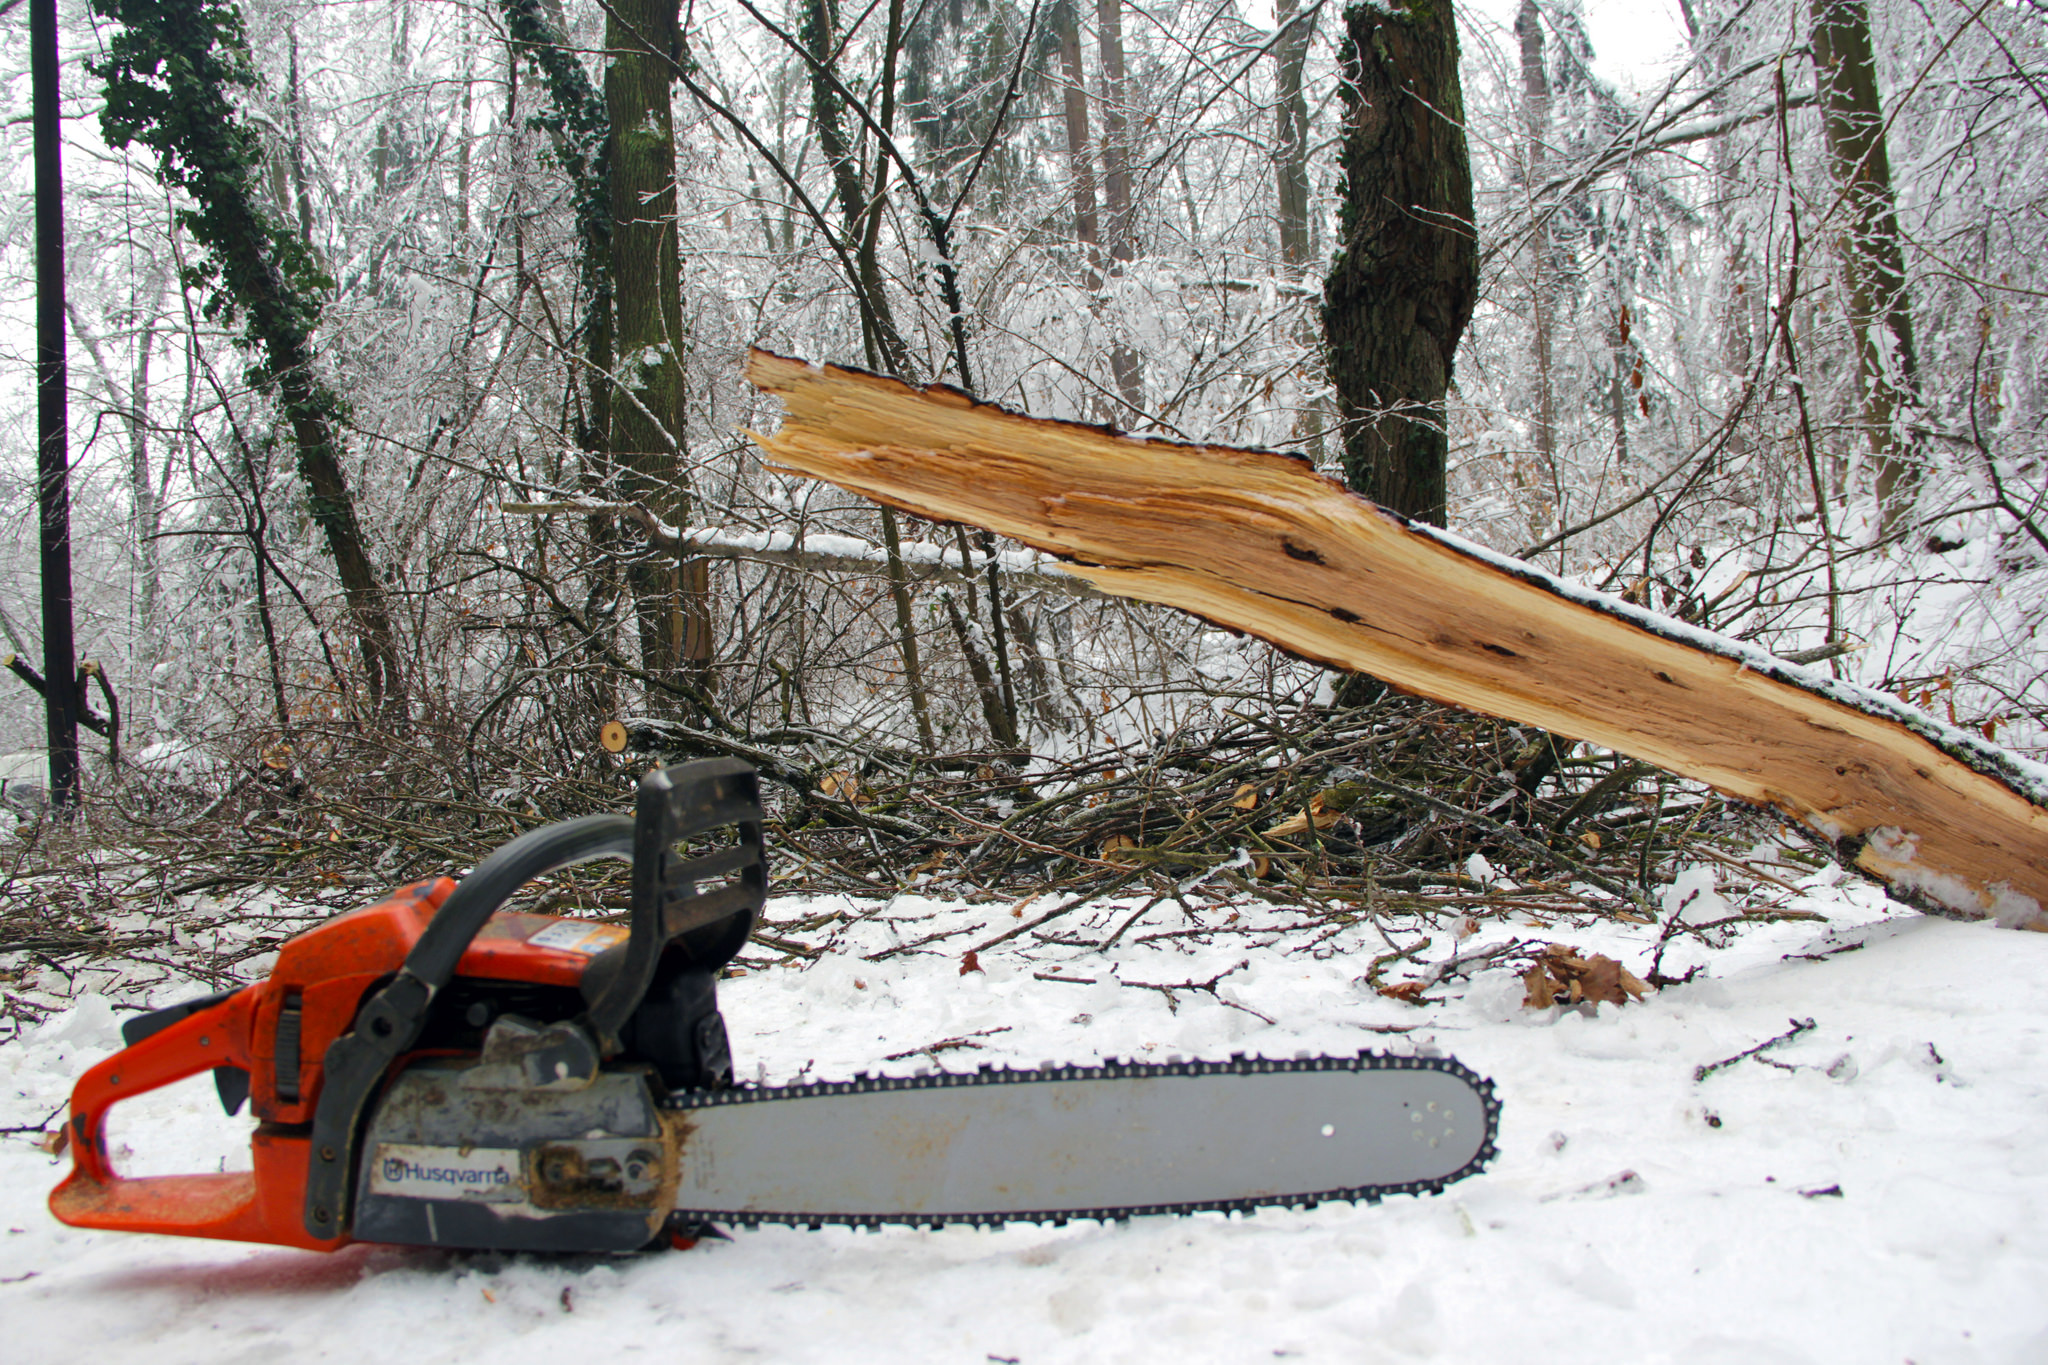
(1245, 797)
(1407, 992)
(1591, 839)
(971, 963)
(56, 1140)
(1559, 973)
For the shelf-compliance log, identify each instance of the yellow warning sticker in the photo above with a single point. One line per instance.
(579, 936)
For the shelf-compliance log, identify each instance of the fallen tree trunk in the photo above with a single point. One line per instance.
(1258, 542)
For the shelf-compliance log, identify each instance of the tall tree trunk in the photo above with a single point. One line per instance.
(1295, 31)
(818, 29)
(579, 120)
(142, 482)
(1121, 225)
(1290, 133)
(1742, 320)
(466, 108)
(1399, 297)
(671, 598)
(296, 102)
(1542, 313)
(1625, 371)
(1873, 265)
(1080, 155)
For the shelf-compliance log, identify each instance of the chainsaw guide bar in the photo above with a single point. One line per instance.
(1120, 1140)
(436, 1071)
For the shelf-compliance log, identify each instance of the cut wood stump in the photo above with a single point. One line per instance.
(1259, 542)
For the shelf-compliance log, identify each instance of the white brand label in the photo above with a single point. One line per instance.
(488, 1175)
(578, 936)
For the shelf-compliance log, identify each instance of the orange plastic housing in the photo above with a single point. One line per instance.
(327, 971)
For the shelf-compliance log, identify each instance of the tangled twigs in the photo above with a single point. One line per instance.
(1536, 849)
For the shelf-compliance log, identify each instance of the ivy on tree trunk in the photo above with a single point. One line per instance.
(169, 75)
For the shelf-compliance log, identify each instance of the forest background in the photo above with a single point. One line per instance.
(370, 604)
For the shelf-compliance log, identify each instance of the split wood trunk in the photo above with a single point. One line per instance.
(1258, 542)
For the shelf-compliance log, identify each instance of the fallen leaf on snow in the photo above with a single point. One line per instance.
(1560, 974)
(1407, 992)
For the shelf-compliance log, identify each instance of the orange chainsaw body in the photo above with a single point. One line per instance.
(321, 977)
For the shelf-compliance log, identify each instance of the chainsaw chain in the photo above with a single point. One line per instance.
(1110, 1069)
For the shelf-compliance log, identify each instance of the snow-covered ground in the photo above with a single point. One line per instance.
(1879, 1194)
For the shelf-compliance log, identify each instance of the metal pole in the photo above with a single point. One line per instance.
(60, 668)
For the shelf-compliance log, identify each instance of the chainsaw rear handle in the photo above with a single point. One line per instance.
(259, 1205)
(672, 804)
(215, 1035)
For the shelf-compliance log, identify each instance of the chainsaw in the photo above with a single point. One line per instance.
(436, 1070)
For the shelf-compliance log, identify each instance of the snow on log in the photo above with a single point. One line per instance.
(1258, 541)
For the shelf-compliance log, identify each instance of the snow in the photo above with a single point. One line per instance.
(1869, 1189)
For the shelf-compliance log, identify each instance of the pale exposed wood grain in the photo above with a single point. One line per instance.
(1257, 541)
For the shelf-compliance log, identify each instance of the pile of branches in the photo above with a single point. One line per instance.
(1398, 805)
(1394, 809)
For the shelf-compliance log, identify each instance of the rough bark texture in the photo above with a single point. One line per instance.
(648, 412)
(1399, 297)
(1119, 210)
(1873, 266)
(1259, 542)
(1290, 131)
(1535, 159)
